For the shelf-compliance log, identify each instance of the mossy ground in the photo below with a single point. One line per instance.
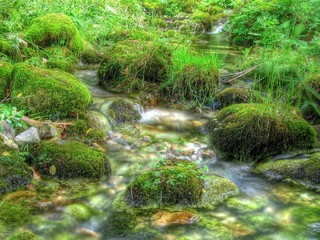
(24, 235)
(55, 29)
(71, 160)
(251, 132)
(14, 173)
(179, 182)
(5, 77)
(51, 92)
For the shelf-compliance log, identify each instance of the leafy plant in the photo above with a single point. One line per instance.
(10, 115)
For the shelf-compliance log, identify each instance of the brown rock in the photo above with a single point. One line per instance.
(165, 219)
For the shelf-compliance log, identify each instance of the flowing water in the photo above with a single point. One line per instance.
(81, 209)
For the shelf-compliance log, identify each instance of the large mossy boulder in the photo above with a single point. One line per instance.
(251, 132)
(55, 29)
(235, 95)
(122, 111)
(305, 172)
(131, 62)
(51, 92)
(5, 77)
(71, 159)
(14, 173)
(177, 182)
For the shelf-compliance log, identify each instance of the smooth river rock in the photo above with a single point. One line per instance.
(165, 219)
(28, 137)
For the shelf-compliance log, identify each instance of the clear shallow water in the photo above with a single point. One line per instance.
(81, 209)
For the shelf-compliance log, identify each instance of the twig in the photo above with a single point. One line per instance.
(238, 74)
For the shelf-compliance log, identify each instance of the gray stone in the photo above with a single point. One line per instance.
(28, 137)
(8, 131)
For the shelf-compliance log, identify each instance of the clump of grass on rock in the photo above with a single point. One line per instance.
(179, 182)
(71, 160)
(51, 92)
(251, 132)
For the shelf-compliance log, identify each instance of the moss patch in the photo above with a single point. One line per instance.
(251, 132)
(233, 95)
(177, 183)
(13, 173)
(122, 111)
(9, 52)
(24, 235)
(51, 92)
(55, 29)
(71, 160)
(5, 77)
(305, 172)
(14, 213)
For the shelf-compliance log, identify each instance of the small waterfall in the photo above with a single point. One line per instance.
(218, 26)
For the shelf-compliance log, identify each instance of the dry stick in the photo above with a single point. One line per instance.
(239, 74)
(39, 123)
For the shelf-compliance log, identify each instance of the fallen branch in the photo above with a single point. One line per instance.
(36, 123)
(238, 74)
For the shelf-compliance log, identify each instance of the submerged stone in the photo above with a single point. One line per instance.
(252, 132)
(165, 219)
(305, 172)
(71, 159)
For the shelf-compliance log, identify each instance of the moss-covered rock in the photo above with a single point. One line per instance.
(14, 173)
(235, 95)
(78, 212)
(84, 130)
(71, 160)
(55, 29)
(9, 52)
(305, 172)
(61, 64)
(24, 235)
(217, 189)
(12, 214)
(251, 132)
(203, 19)
(5, 77)
(122, 111)
(178, 182)
(51, 92)
(131, 62)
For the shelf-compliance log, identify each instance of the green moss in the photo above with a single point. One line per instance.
(9, 52)
(51, 92)
(14, 173)
(5, 77)
(85, 130)
(131, 62)
(179, 183)
(305, 172)
(14, 213)
(233, 95)
(203, 19)
(55, 29)
(245, 205)
(62, 64)
(24, 235)
(35, 61)
(213, 229)
(122, 111)
(71, 159)
(251, 132)
(79, 212)
(217, 189)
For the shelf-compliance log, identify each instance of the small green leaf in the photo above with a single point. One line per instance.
(53, 170)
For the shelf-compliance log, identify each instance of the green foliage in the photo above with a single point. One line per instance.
(192, 76)
(178, 182)
(252, 132)
(71, 159)
(52, 92)
(55, 29)
(10, 115)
